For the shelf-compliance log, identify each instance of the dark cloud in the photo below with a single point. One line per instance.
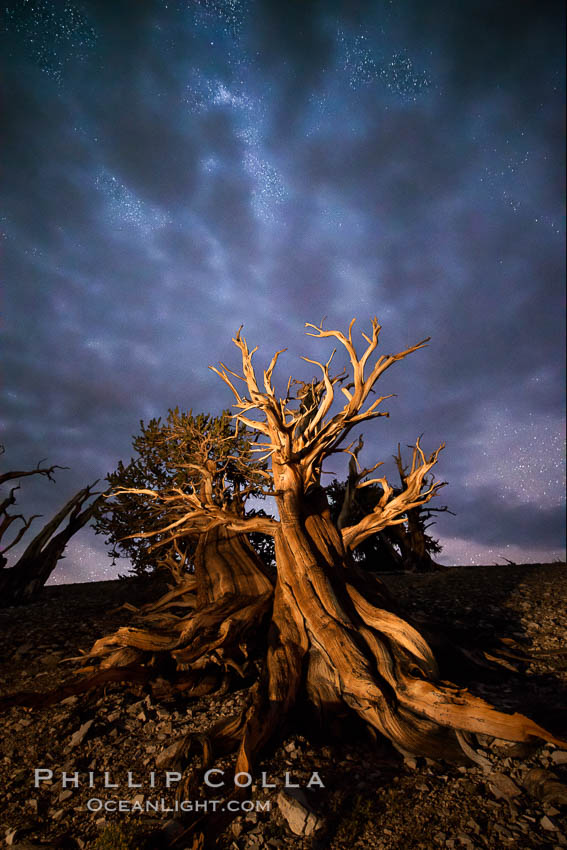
(485, 517)
(175, 169)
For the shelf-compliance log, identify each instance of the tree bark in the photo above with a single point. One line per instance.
(359, 652)
(209, 621)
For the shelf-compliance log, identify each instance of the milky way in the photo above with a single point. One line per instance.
(176, 169)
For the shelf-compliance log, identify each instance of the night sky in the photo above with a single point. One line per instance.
(175, 169)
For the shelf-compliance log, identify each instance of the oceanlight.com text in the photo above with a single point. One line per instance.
(97, 804)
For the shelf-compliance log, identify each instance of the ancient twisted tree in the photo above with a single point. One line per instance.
(22, 582)
(205, 469)
(327, 632)
(173, 455)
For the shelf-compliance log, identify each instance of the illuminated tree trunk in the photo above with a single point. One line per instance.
(209, 622)
(338, 633)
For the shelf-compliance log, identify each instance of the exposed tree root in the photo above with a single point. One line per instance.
(190, 684)
(229, 599)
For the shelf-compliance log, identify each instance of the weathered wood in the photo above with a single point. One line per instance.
(334, 637)
(22, 582)
(231, 596)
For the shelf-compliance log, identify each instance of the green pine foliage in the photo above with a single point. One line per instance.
(168, 456)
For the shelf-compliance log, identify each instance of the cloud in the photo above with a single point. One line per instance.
(199, 166)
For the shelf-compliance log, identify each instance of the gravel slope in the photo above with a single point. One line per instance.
(371, 798)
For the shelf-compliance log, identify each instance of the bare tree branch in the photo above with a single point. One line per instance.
(305, 435)
(39, 470)
(193, 515)
(391, 509)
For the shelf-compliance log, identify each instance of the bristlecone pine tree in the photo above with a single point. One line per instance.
(170, 453)
(328, 632)
(22, 582)
(171, 456)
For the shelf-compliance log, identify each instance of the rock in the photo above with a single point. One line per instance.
(13, 836)
(300, 818)
(523, 750)
(503, 787)
(64, 795)
(548, 824)
(559, 757)
(474, 826)
(165, 757)
(79, 736)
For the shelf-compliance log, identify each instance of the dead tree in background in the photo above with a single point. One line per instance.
(22, 582)
(6, 518)
(401, 547)
(416, 546)
(334, 641)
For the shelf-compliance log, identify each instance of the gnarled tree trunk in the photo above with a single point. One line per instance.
(208, 624)
(335, 630)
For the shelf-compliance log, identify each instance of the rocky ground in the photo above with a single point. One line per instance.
(514, 797)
